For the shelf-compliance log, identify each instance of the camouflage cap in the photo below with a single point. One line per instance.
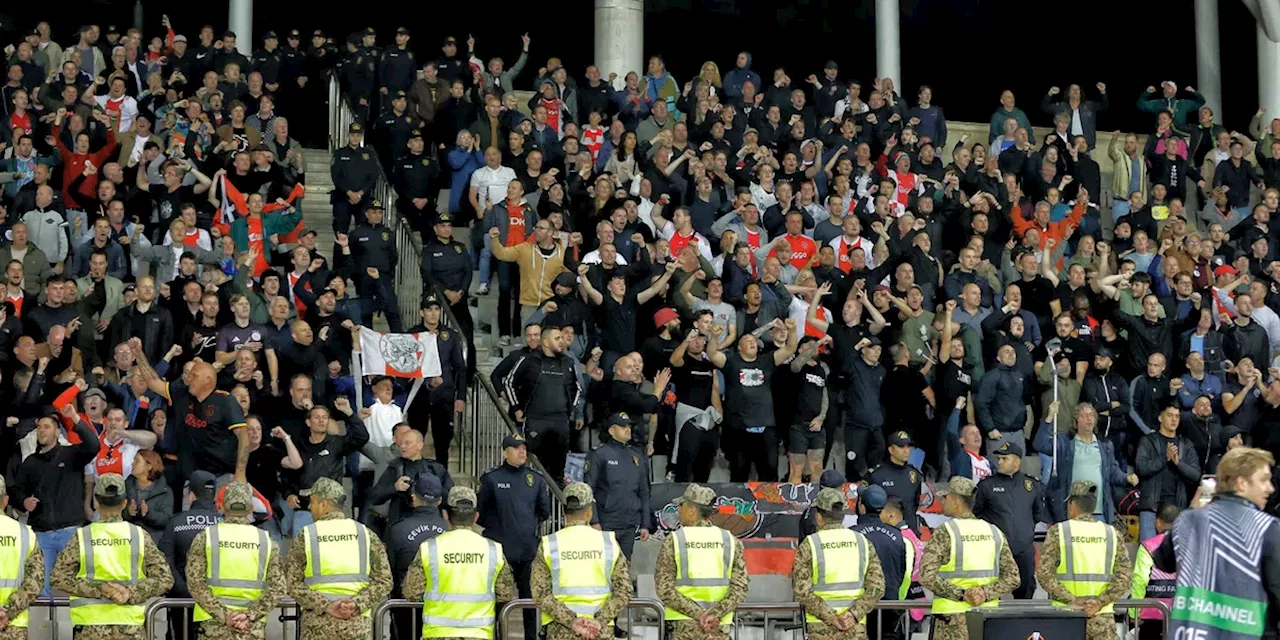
(958, 485)
(328, 489)
(109, 485)
(578, 495)
(238, 496)
(831, 499)
(698, 494)
(458, 495)
(1083, 488)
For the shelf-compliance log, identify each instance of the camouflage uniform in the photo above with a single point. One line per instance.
(802, 583)
(1103, 625)
(665, 575)
(28, 591)
(316, 624)
(938, 553)
(157, 581)
(237, 500)
(561, 616)
(415, 580)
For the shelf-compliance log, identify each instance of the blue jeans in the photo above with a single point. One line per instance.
(1146, 525)
(51, 544)
(1046, 468)
(486, 264)
(301, 518)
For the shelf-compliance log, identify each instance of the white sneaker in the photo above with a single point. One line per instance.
(504, 341)
(483, 290)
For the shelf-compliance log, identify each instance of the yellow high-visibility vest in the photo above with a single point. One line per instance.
(17, 543)
(337, 558)
(1086, 558)
(839, 566)
(109, 552)
(704, 563)
(236, 558)
(975, 561)
(462, 569)
(581, 560)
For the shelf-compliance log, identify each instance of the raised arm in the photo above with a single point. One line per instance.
(154, 382)
(793, 338)
(714, 355)
(657, 286)
(584, 284)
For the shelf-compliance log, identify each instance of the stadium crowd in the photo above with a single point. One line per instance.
(748, 271)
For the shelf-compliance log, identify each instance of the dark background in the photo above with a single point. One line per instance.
(967, 50)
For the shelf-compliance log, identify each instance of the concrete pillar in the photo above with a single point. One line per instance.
(1268, 75)
(1208, 59)
(240, 20)
(888, 44)
(137, 17)
(619, 37)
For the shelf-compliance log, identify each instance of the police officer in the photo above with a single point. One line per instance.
(335, 547)
(701, 574)
(446, 267)
(181, 532)
(1014, 501)
(267, 61)
(830, 479)
(986, 574)
(21, 571)
(899, 477)
(1084, 563)
(895, 554)
(110, 568)
(355, 174)
(460, 576)
(397, 125)
(397, 68)
(619, 474)
(373, 251)
(513, 503)
(417, 186)
(234, 576)
(359, 71)
(836, 574)
(446, 396)
(580, 579)
(405, 536)
(292, 60)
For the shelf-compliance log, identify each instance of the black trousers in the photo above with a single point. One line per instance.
(379, 295)
(344, 212)
(406, 624)
(420, 220)
(1026, 561)
(550, 442)
(522, 572)
(866, 446)
(509, 300)
(697, 453)
(462, 311)
(436, 417)
(885, 624)
(747, 450)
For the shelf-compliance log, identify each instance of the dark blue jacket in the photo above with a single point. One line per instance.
(619, 477)
(1056, 492)
(405, 536)
(176, 542)
(513, 504)
(890, 548)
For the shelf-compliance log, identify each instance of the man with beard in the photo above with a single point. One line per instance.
(1108, 393)
(543, 391)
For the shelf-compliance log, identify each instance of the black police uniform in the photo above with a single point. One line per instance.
(359, 71)
(176, 543)
(416, 176)
(267, 63)
(891, 549)
(375, 246)
(1014, 504)
(433, 408)
(224, 57)
(901, 482)
(403, 539)
(513, 504)
(619, 477)
(353, 169)
(447, 267)
(311, 128)
(396, 129)
(397, 69)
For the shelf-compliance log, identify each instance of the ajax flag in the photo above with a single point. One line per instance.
(400, 355)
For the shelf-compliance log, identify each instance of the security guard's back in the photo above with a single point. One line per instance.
(701, 574)
(21, 567)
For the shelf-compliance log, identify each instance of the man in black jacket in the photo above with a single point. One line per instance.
(619, 477)
(1166, 466)
(405, 536)
(396, 482)
(543, 390)
(1108, 392)
(50, 483)
(513, 502)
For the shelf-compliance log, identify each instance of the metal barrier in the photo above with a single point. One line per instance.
(155, 606)
(635, 604)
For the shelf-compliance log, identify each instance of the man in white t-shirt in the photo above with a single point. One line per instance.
(120, 107)
(119, 444)
(489, 183)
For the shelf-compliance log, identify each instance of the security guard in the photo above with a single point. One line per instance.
(234, 576)
(513, 504)
(1014, 501)
(1084, 563)
(180, 533)
(397, 124)
(446, 394)
(397, 68)
(416, 175)
(581, 580)
(373, 251)
(898, 477)
(619, 474)
(355, 174)
(337, 569)
(460, 576)
(966, 563)
(266, 61)
(446, 266)
(406, 535)
(110, 569)
(836, 574)
(21, 572)
(701, 575)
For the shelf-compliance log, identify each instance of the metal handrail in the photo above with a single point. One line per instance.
(635, 603)
(155, 605)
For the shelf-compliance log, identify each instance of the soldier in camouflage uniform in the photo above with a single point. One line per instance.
(695, 507)
(1080, 505)
(32, 577)
(565, 624)
(958, 503)
(460, 511)
(227, 624)
(847, 624)
(155, 580)
(324, 619)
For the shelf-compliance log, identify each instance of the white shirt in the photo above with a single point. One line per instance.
(203, 240)
(594, 258)
(491, 184)
(1076, 129)
(704, 247)
(177, 258)
(128, 109)
(139, 143)
(382, 419)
